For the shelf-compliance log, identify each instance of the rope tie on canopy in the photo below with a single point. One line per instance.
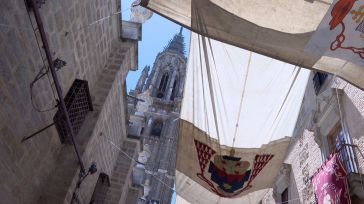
(284, 101)
(242, 99)
(211, 89)
(209, 78)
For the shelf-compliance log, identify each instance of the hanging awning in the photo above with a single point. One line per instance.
(288, 30)
(238, 113)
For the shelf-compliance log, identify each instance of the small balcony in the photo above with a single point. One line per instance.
(347, 154)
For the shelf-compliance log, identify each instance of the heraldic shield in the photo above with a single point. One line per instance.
(227, 175)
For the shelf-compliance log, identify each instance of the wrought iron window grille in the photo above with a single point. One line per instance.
(346, 153)
(78, 103)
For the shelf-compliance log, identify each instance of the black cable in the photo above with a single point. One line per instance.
(41, 73)
(35, 107)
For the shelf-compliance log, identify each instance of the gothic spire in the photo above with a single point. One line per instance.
(176, 44)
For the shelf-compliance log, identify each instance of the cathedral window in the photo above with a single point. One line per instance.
(157, 128)
(162, 85)
(174, 90)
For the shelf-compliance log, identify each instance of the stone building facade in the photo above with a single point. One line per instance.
(42, 169)
(332, 114)
(154, 114)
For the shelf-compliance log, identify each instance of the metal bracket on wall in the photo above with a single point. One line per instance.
(135, 98)
(39, 3)
(36, 133)
(62, 106)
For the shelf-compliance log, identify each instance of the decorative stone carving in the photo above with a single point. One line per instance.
(305, 175)
(307, 193)
(139, 14)
(304, 154)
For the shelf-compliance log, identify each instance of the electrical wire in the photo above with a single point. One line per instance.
(242, 98)
(132, 159)
(70, 32)
(41, 72)
(35, 107)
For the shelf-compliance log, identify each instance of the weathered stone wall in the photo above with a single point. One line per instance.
(121, 190)
(42, 170)
(305, 154)
(102, 130)
(353, 112)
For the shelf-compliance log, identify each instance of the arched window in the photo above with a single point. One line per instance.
(162, 85)
(175, 89)
(157, 128)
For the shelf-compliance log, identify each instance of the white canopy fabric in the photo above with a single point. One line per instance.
(238, 112)
(180, 200)
(281, 29)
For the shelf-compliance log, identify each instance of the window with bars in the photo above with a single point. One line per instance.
(78, 104)
(339, 142)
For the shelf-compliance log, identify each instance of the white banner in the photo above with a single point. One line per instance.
(341, 32)
(238, 113)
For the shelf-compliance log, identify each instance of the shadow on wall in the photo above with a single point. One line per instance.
(353, 118)
(294, 191)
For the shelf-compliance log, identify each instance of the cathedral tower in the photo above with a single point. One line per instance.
(154, 111)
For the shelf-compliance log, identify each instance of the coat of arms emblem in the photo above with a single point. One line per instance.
(227, 175)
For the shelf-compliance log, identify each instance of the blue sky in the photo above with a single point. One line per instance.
(156, 33)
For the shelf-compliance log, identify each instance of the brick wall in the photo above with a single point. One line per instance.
(42, 170)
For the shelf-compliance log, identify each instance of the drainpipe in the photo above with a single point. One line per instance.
(56, 82)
